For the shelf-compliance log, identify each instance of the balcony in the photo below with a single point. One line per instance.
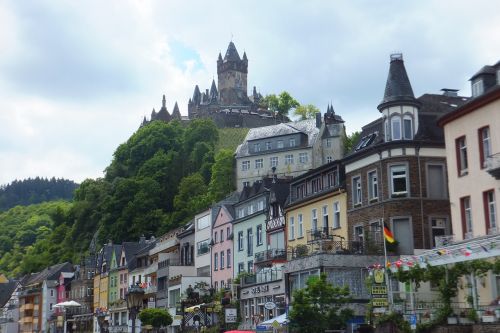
(340, 247)
(150, 289)
(275, 223)
(321, 234)
(493, 165)
(265, 275)
(153, 268)
(269, 256)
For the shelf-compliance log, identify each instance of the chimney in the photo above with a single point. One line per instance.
(142, 240)
(318, 119)
(450, 92)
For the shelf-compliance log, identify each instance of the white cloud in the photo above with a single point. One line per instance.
(76, 78)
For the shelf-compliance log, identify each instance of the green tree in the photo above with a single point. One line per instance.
(155, 317)
(306, 111)
(191, 198)
(281, 104)
(351, 140)
(319, 306)
(222, 181)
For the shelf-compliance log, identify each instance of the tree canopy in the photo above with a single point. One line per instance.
(319, 306)
(155, 317)
(307, 111)
(281, 104)
(163, 175)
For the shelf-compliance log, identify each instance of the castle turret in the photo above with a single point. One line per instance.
(213, 92)
(399, 106)
(163, 113)
(196, 96)
(232, 77)
(176, 114)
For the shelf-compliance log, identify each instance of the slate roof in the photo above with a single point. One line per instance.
(281, 189)
(433, 106)
(227, 203)
(105, 255)
(307, 127)
(231, 53)
(485, 70)
(49, 273)
(397, 87)
(6, 290)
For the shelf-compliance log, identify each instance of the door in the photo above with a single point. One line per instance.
(403, 234)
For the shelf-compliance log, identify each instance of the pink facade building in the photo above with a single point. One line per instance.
(222, 240)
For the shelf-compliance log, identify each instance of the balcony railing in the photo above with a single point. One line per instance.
(270, 255)
(265, 275)
(321, 234)
(493, 165)
(341, 247)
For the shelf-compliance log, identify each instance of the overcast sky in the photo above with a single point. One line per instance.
(77, 77)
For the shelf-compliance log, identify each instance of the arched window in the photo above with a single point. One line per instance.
(396, 128)
(407, 127)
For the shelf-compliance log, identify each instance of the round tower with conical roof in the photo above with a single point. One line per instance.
(399, 106)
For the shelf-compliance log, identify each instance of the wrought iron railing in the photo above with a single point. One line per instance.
(340, 247)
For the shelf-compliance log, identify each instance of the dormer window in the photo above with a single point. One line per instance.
(477, 88)
(280, 144)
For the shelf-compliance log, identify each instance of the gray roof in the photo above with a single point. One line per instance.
(433, 106)
(49, 273)
(398, 87)
(307, 127)
(485, 70)
(232, 53)
(6, 290)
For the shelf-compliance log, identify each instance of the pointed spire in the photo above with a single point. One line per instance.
(176, 114)
(219, 58)
(213, 90)
(397, 88)
(196, 95)
(163, 102)
(232, 53)
(245, 56)
(153, 114)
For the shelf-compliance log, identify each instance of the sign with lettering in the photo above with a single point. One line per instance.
(269, 305)
(231, 315)
(260, 289)
(379, 290)
(378, 275)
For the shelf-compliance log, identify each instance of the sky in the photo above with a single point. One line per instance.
(77, 77)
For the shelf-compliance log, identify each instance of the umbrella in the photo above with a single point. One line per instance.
(67, 304)
(193, 308)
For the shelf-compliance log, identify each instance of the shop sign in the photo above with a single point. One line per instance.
(260, 289)
(269, 305)
(379, 290)
(231, 315)
(380, 302)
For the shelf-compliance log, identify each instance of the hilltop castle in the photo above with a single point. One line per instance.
(226, 103)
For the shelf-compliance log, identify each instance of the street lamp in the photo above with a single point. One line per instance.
(134, 302)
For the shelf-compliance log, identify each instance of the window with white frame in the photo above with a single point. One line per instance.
(250, 242)
(303, 158)
(461, 148)
(300, 226)
(396, 128)
(241, 267)
(288, 159)
(324, 210)
(259, 163)
(222, 264)
(314, 219)
(484, 145)
(356, 190)
(221, 235)
(246, 184)
(399, 179)
(240, 240)
(292, 142)
(280, 144)
(228, 258)
(407, 127)
(203, 222)
(273, 161)
(328, 142)
(477, 88)
(216, 237)
(466, 217)
(216, 261)
(336, 214)
(245, 165)
(268, 145)
(359, 233)
(490, 210)
(259, 234)
(329, 159)
(372, 185)
(291, 228)
(256, 147)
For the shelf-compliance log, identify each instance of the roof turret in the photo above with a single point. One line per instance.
(196, 95)
(397, 88)
(176, 114)
(213, 91)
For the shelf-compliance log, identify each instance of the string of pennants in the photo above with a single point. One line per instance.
(468, 250)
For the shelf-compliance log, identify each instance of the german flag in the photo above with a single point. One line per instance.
(388, 234)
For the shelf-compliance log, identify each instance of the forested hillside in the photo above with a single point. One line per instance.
(157, 180)
(35, 190)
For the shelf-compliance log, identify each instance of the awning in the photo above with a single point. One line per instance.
(67, 304)
(194, 308)
(281, 319)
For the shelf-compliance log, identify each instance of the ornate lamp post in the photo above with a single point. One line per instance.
(134, 302)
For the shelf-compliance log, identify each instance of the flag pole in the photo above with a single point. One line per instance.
(389, 289)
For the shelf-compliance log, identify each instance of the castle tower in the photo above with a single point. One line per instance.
(232, 77)
(399, 106)
(163, 113)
